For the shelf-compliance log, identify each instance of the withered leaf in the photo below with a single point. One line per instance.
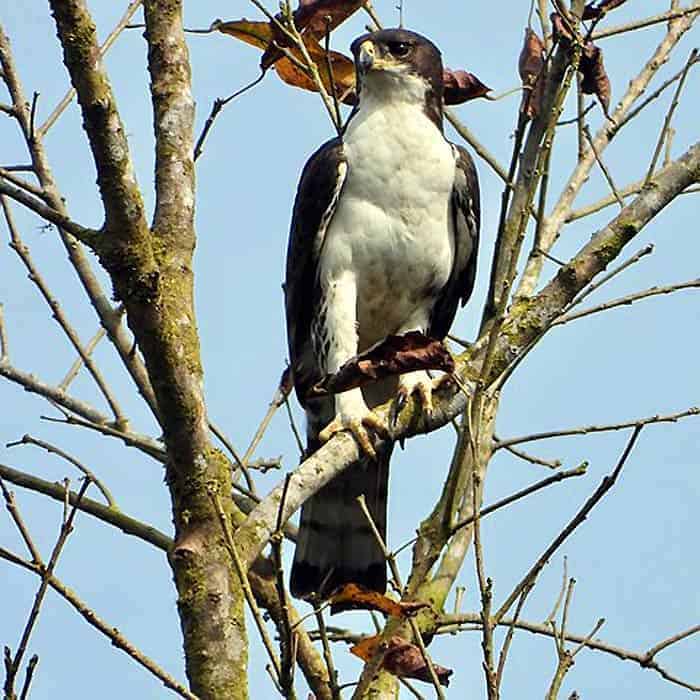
(314, 19)
(530, 68)
(257, 34)
(402, 659)
(322, 16)
(261, 34)
(366, 648)
(406, 660)
(352, 596)
(560, 29)
(395, 354)
(595, 80)
(462, 86)
(342, 69)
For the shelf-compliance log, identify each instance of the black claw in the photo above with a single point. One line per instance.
(396, 409)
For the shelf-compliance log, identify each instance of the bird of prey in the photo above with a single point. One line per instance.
(383, 241)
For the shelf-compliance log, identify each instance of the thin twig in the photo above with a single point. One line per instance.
(52, 449)
(646, 250)
(557, 603)
(606, 484)
(654, 95)
(144, 443)
(218, 104)
(669, 116)
(549, 463)
(4, 343)
(108, 42)
(286, 676)
(12, 508)
(20, 182)
(391, 560)
(240, 462)
(603, 167)
(55, 395)
(455, 623)
(31, 667)
(486, 591)
(503, 656)
(18, 245)
(627, 300)
(327, 655)
(580, 470)
(478, 147)
(595, 207)
(47, 573)
(584, 430)
(647, 22)
(111, 516)
(110, 631)
(293, 426)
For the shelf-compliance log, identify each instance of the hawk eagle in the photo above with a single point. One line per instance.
(383, 241)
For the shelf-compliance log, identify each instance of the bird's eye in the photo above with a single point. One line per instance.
(399, 48)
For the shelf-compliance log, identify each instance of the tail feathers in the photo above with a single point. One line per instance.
(336, 544)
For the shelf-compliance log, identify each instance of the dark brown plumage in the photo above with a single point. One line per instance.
(398, 272)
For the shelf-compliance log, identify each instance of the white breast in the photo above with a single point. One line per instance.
(392, 228)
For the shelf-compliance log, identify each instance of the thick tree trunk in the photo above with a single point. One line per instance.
(151, 270)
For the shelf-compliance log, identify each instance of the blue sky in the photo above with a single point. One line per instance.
(635, 559)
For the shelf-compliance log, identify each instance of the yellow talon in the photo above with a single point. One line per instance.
(358, 427)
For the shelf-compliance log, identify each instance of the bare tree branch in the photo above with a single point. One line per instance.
(584, 430)
(112, 633)
(452, 623)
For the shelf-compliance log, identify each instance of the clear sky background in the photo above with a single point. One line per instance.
(636, 558)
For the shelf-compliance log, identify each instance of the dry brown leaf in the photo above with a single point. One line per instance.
(257, 34)
(342, 69)
(402, 659)
(560, 30)
(313, 19)
(462, 86)
(530, 68)
(595, 80)
(405, 660)
(396, 354)
(353, 596)
(321, 16)
(366, 648)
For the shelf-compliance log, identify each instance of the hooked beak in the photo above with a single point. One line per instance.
(366, 56)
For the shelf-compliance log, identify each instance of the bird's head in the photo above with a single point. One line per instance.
(397, 60)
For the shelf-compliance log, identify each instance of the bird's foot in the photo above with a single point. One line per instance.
(359, 423)
(414, 382)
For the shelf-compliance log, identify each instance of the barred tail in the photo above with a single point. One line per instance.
(336, 544)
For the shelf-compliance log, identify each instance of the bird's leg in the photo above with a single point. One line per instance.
(418, 382)
(340, 331)
(352, 414)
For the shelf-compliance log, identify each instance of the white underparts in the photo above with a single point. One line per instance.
(389, 248)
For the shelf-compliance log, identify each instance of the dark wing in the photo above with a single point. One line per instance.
(316, 201)
(466, 214)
